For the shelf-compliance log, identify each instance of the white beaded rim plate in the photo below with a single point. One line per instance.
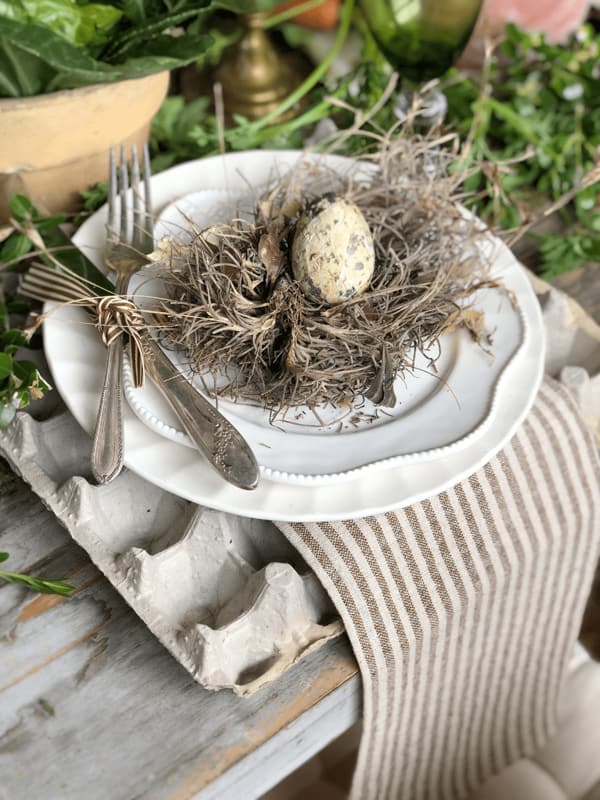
(435, 413)
(77, 358)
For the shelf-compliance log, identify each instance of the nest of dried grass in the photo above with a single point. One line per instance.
(236, 310)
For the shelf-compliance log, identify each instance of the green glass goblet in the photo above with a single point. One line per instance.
(421, 38)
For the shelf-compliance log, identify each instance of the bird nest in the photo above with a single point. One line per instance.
(235, 308)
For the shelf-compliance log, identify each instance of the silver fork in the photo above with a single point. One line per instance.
(212, 433)
(124, 256)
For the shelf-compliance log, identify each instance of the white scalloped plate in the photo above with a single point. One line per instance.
(77, 359)
(436, 412)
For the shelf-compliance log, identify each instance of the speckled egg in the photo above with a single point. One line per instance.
(332, 253)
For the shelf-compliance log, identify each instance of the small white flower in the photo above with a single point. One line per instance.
(573, 92)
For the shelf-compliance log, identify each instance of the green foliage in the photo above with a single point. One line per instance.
(20, 381)
(544, 100)
(42, 585)
(47, 45)
(47, 241)
(535, 99)
(81, 24)
(561, 253)
(182, 131)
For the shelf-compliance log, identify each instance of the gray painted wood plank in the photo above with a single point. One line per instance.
(91, 705)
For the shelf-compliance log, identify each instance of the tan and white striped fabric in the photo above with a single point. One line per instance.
(463, 610)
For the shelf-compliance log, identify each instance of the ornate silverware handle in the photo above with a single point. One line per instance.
(108, 439)
(215, 436)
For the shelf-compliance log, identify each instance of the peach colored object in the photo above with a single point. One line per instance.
(556, 18)
(322, 17)
(54, 145)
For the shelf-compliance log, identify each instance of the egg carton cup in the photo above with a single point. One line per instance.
(572, 349)
(229, 597)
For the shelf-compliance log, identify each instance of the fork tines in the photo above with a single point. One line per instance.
(118, 187)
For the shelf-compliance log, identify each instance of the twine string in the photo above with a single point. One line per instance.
(115, 315)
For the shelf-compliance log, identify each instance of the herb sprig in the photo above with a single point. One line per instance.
(43, 585)
(20, 379)
(542, 101)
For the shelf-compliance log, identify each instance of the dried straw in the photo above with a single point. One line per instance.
(236, 310)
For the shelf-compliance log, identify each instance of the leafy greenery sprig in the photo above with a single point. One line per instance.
(29, 233)
(542, 100)
(43, 585)
(20, 380)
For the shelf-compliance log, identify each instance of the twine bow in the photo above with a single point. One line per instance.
(115, 315)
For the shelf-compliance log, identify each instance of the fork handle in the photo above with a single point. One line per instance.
(211, 432)
(107, 445)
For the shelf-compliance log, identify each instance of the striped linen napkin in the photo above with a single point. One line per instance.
(463, 609)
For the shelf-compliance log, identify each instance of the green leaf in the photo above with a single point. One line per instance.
(13, 9)
(96, 22)
(18, 306)
(21, 74)
(21, 207)
(50, 222)
(67, 66)
(162, 161)
(55, 51)
(6, 365)
(64, 251)
(167, 117)
(135, 10)
(14, 248)
(13, 338)
(80, 24)
(172, 49)
(25, 371)
(3, 557)
(7, 413)
(95, 196)
(246, 6)
(38, 584)
(134, 39)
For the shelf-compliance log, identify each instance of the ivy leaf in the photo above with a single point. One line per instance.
(6, 366)
(14, 248)
(13, 338)
(47, 223)
(21, 207)
(25, 371)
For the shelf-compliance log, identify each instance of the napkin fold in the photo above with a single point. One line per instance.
(462, 610)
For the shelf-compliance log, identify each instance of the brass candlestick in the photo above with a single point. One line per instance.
(255, 76)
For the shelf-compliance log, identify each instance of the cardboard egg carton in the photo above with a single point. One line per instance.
(227, 596)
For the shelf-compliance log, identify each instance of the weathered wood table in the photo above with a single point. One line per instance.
(92, 705)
